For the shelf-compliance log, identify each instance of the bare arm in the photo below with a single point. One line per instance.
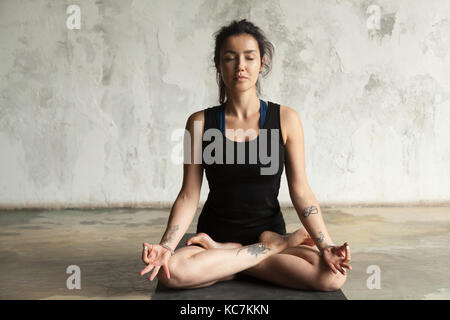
(302, 197)
(186, 203)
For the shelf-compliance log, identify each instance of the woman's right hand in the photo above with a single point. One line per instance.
(155, 256)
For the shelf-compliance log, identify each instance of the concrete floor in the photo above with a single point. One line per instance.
(409, 245)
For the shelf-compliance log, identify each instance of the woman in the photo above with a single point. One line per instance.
(241, 228)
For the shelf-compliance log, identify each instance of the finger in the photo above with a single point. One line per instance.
(332, 268)
(146, 269)
(346, 265)
(347, 252)
(145, 253)
(149, 245)
(337, 265)
(154, 273)
(342, 251)
(338, 251)
(166, 269)
(341, 270)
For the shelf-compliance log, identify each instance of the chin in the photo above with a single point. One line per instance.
(241, 88)
(246, 84)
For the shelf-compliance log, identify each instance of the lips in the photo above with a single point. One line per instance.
(240, 78)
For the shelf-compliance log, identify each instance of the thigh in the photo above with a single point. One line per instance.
(184, 253)
(308, 253)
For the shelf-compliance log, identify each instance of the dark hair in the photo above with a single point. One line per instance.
(236, 28)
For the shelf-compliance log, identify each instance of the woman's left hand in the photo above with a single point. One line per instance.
(337, 258)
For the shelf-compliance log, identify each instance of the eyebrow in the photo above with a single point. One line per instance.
(247, 51)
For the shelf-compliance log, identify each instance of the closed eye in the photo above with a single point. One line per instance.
(229, 59)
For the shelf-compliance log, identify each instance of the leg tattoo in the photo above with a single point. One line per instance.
(255, 249)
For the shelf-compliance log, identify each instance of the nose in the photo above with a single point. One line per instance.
(241, 65)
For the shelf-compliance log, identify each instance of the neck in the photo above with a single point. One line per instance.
(242, 105)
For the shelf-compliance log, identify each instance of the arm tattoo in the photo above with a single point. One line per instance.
(255, 249)
(321, 237)
(170, 233)
(310, 210)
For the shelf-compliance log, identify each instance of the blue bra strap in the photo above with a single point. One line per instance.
(222, 118)
(262, 111)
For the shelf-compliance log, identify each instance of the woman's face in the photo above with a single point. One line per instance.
(240, 56)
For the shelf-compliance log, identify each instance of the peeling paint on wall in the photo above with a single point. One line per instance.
(86, 116)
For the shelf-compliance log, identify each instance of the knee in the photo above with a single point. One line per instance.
(172, 282)
(331, 283)
(177, 279)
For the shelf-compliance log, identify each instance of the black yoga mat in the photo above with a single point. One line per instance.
(242, 288)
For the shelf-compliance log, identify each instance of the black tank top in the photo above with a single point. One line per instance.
(242, 202)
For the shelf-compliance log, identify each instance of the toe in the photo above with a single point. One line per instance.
(191, 240)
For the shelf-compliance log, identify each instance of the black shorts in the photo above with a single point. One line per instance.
(228, 232)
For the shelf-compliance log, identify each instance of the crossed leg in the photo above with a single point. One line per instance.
(299, 268)
(295, 265)
(194, 267)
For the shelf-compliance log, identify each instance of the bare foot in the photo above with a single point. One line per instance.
(207, 242)
(301, 236)
(307, 240)
(274, 240)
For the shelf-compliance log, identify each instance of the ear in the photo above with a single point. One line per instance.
(263, 61)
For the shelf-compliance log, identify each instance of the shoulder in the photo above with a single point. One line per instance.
(290, 122)
(286, 112)
(203, 115)
(197, 116)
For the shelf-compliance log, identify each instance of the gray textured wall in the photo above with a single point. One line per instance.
(86, 116)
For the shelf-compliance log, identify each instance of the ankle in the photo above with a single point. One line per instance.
(275, 245)
(273, 241)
